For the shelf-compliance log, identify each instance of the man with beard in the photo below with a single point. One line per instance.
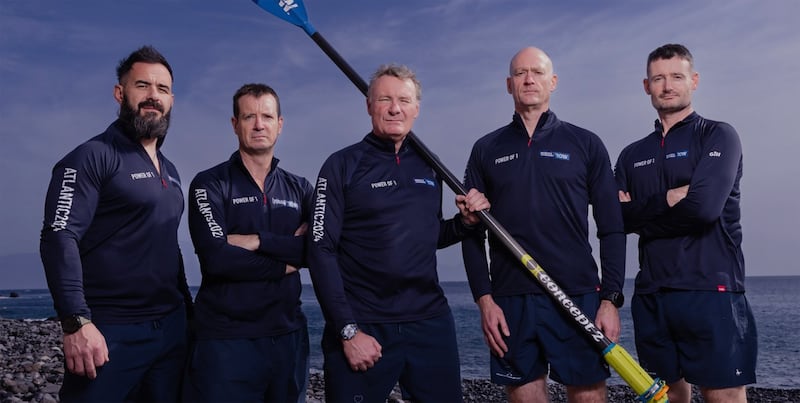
(110, 251)
(679, 188)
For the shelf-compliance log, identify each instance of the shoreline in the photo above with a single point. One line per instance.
(32, 361)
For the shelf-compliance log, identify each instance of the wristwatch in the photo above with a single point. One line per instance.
(616, 298)
(349, 331)
(73, 323)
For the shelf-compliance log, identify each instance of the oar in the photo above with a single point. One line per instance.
(649, 390)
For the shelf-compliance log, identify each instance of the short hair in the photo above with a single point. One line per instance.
(257, 90)
(145, 54)
(398, 71)
(669, 51)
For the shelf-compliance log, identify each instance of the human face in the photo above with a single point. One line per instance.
(147, 90)
(531, 80)
(670, 83)
(393, 105)
(258, 124)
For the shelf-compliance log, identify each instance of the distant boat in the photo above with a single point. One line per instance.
(13, 294)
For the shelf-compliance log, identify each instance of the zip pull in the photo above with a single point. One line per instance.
(530, 139)
(397, 158)
(163, 182)
(264, 198)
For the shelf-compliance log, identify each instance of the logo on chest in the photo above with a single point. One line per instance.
(554, 155)
(383, 184)
(677, 154)
(244, 200)
(506, 158)
(142, 175)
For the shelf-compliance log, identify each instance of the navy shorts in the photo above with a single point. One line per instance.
(421, 355)
(264, 369)
(706, 337)
(543, 335)
(146, 362)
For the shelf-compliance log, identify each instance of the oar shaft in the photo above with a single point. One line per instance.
(615, 355)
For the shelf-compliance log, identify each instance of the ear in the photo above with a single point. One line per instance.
(554, 82)
(695, 80)
(509, 84)
(233, 124)
(280, 125)
(646, 85)
(118, 93)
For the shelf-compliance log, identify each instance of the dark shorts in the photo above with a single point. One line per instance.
(264, 369)
(706, 337)
(543, 335)
(145, 363)
(422, 356)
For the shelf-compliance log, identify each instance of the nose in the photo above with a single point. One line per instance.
(394, 108)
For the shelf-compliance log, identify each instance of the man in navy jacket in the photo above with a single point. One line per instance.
(680, 191)
(110, 248)
(375, 228)
(246, 219)
(541, 175)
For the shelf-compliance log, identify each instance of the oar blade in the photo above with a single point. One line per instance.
(292, 11)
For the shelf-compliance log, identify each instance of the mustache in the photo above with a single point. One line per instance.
(150, 103)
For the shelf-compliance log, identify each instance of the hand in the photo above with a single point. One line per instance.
(250, 242)
(471, 203)
(85, 351)
(291, 269)
(676, 195)
(362, 351)
(301, 230)
(608, 320)
(624, 197)
(493, 322)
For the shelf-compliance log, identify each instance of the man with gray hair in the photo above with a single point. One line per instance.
(375, 227)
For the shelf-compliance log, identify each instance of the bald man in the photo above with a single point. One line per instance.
(541, 174)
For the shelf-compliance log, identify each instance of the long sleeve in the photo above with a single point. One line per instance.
(70, 204)
(326, 222)
(207, 226)
(709, 189)
(473, 248)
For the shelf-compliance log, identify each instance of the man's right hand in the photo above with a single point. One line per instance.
(362, 351)
(85, 351)
(676, 195)
(493, 321)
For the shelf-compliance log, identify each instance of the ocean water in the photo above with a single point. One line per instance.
(776, 310)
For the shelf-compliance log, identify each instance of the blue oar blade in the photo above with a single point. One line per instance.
(292, 11)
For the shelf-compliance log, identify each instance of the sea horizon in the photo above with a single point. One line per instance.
(770, 297)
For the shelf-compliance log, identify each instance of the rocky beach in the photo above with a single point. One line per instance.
(31, 360)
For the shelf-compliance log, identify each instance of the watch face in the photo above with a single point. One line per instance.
(73, 323)
(349, 331)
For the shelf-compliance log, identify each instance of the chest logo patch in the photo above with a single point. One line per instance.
(425, 181)
(554, 154)
(677, 154)
(506, 158)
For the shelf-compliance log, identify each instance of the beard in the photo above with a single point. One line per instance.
(146, 126)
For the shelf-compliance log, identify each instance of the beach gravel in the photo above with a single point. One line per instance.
(32, 368)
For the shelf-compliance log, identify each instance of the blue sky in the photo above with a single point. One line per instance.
(57, 61)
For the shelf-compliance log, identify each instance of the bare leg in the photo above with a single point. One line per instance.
(531, 392)
(728, 395)
(679, 392)
(595, 393)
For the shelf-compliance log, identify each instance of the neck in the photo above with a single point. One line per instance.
(258, 165)
(151, 147)
(530, 117)
(669, 119)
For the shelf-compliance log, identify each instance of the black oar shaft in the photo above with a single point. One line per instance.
(600, 340)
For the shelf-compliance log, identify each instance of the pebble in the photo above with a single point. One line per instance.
(32, 363)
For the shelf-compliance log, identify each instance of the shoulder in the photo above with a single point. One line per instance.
(292, 179)
(217, 173)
